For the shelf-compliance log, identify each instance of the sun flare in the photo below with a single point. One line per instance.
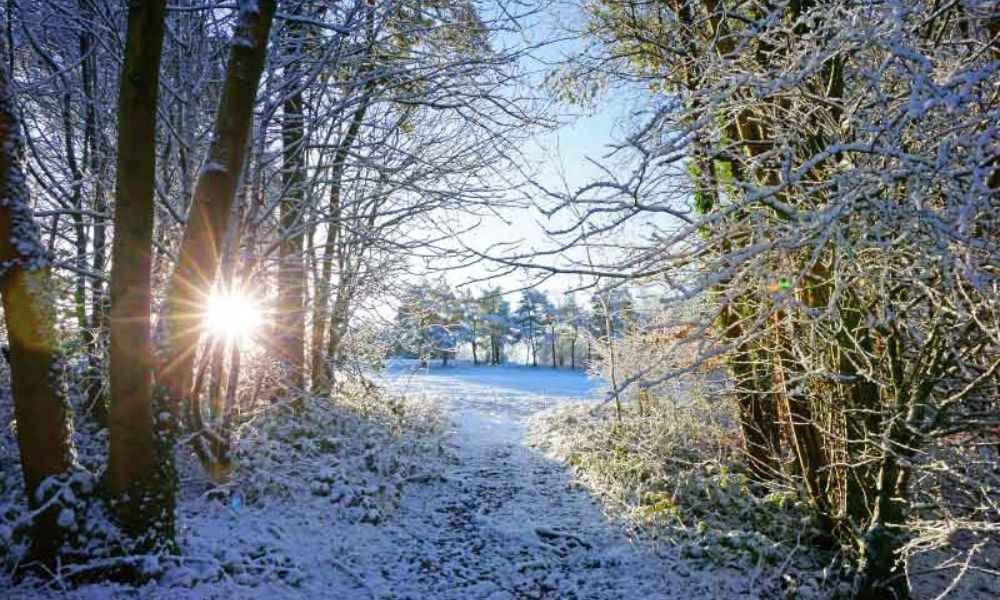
(233, 315)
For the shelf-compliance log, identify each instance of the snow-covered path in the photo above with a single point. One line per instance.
(500, 522)
(506, 522)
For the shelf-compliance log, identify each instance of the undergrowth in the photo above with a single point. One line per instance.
(343, 459)
(672, 472)
(356, 448)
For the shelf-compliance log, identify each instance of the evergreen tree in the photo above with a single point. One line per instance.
(471, 322)
(429, 322)
(533, 314)
(572, 319)
(496, 319)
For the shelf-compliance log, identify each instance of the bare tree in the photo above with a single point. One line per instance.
(135, 477)
(211, 206)
(804, 176)
(43, 419)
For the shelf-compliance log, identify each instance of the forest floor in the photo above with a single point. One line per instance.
(455, 507)
(439, 497)
(507, 522)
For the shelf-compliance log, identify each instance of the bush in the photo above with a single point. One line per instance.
(673, 472)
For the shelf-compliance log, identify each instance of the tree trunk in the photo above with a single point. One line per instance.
(144, 499)
(291, 271)
(758, 425)
(214, 194)
(339, 316)
(96, 405)
(533, 346)
(319, 368)
(553, 331)
(322, 320)
(43, 419)
(881, 574)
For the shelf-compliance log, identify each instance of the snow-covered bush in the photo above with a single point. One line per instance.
(342, 460)
(356, 447)
(91, 535)
(666, 455)
(674, 474)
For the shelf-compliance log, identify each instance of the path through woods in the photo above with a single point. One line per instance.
(496, 520)
(510, 523)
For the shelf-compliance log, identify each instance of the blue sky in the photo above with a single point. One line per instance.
(560, 155)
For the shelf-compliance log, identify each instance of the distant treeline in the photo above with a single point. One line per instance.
(436, 321)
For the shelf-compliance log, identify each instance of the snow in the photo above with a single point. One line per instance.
(507, 522)
(489, 403)
(351, 511)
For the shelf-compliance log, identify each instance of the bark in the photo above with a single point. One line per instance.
(323, 325)
(96, 406)
(339, 316)
(211, 206)
(880, 570)
(553, 331)
(291, 271)
(861, 413)
(532, 342)
(224, 442)
(40, 409)
(757, 409)
(135, 479)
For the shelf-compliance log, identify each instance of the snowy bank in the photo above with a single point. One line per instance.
(305, 486)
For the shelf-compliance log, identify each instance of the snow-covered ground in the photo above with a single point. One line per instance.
(489, 404)
(507, 522)
(349, 511)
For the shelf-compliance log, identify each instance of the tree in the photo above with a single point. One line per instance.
(43, 420)
(429, 322)
(495, 312)
(571, 320)
(291, 270)
(612, 314)
(471, 321)
(211, 208)
(551, 319)
(447, 329)
(531, 318)
(782, 194)
(96, 149)
(134, 475)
